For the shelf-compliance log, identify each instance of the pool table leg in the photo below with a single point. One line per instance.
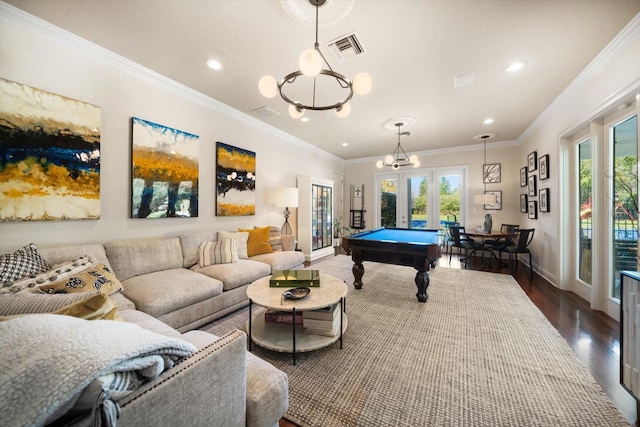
(422, 282)
(358, 272)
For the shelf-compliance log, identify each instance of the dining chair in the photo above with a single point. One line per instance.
(448, 240)
(490, 244)
(460, 241)
(520, 245)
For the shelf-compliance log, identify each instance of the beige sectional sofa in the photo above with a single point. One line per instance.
(165, 290)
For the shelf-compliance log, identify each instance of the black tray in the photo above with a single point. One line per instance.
(295, 293)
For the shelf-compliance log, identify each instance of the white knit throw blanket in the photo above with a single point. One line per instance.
(47, 360)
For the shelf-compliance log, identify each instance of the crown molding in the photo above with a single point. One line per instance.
(629, 35)
(12, 15)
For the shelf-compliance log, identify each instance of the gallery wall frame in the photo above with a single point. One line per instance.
(235, 181)
(532, 186)
(532, 161)
(164, 171)
(523, 203)
(49, 155)
(543, 198)
(523, 177)
(491, 173)
(543, 164)
(498, 204)
(532, 209)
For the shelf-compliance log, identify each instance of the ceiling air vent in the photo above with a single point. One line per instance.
(346, 47)
(265, 112)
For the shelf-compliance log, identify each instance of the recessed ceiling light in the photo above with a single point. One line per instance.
(214, 64)
(344, 144)
(515, 67)
(488, 121)
(304, 119)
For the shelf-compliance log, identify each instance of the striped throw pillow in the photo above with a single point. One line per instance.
(223, 251)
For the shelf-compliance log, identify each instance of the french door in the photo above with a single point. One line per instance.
(605, 207)
(419, 199)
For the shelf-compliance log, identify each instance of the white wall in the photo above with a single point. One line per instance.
(37, 54)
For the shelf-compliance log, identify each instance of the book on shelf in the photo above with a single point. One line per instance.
(295, 279)
(329, 312)
(282, 317)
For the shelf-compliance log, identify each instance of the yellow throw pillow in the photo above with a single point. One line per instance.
(258, 242)
(99, 279)
(97, 307)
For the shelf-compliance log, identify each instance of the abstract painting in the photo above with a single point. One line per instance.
(235, 181)
(49, 156)
(164, 171)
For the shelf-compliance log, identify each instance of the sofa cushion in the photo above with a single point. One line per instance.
(281, 260)
(237, 274)
(57, 273)
(241, 236)
(165, 291)
(95, 279)
(24, 262)
(61, 254)
(222, 251)
(190, 242)
(131, 258)
(258, 242)
(149, 322)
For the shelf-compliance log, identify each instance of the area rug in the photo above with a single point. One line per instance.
(477, 353)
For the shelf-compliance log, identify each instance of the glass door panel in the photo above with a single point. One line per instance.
(624, 221)
(418, 209)
(388, 193)
(450, 197)
(584, 209)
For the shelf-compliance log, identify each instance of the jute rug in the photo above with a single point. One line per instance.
(477, 353)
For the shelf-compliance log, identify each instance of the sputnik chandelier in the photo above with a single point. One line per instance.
(311, 64)
(399, 158)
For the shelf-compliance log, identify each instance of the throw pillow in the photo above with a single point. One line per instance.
(223, 251)
(99, 279)
(258, 242)
(24, 262)
(275, 238)
(58, 272)
(241, 236)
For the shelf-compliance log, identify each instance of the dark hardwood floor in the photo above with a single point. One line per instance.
(593, 336)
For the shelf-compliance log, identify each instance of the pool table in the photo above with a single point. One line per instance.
(400, 246)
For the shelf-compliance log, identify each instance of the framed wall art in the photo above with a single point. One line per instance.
(532, 186)
(235, 181)
(544, 200)
(164, 171)
(491, 173)
(523, 203)
(532, 161)
(533, 210)
(49, 155)
(523, 177)
(498, 204)
(544, 167)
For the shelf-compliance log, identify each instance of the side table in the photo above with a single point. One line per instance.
(291, 338)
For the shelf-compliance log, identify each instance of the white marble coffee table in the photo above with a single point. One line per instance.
(291, 338)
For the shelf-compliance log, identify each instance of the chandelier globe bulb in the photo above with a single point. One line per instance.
(268, 86)
(362, 84)
(295, 111)
(388, 159)
(310, 62)
(379, 164)
(344, 110)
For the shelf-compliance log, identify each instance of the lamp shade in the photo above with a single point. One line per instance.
(287, 197)
(484, 199)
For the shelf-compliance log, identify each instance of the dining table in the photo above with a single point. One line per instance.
(495, 235)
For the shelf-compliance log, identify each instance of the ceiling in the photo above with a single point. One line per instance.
(414, 50)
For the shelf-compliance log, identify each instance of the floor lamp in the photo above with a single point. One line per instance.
(287, 197)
